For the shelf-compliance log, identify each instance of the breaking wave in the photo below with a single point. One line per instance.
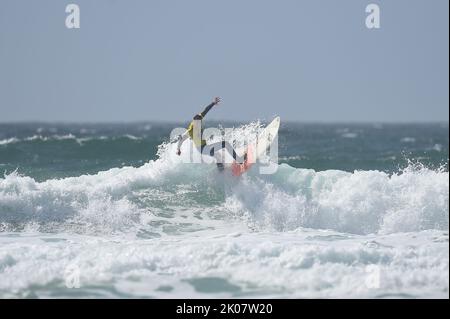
(125, 199)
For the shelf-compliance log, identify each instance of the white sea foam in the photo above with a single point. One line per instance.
(131, 137)
(292, 158)
(361, 202)
(7, 141)
(305, 263)
(170, 229)
(437, 148)
(408, 139)
(350, 135)
(50, 138)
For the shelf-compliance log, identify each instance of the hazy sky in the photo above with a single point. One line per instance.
(304, 60)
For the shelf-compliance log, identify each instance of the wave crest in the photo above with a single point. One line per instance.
(361, 202)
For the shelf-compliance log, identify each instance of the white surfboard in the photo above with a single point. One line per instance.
(258, 147)
(266, 137)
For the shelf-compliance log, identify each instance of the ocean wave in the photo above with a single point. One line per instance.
(350, 135)
(7, 141)
(436, 147)
(408, 139)
(361, 202)
(50, 138)
(170, 229)
(292, 158)
(65, 137)
(289, 265)
(129, 199)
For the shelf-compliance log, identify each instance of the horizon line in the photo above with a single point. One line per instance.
(222, 120)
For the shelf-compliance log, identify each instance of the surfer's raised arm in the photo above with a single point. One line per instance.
(201, 115)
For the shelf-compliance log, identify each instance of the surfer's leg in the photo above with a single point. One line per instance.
(229, 148)
(212, 148)
(220, 166)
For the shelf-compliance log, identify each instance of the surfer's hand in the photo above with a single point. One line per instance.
(216, 100)
(178, 152)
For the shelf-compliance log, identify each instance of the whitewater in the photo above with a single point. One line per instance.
(169, 229)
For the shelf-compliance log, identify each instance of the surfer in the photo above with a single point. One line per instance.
(195, 133)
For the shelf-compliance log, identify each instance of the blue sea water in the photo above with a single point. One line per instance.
(114, 202)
